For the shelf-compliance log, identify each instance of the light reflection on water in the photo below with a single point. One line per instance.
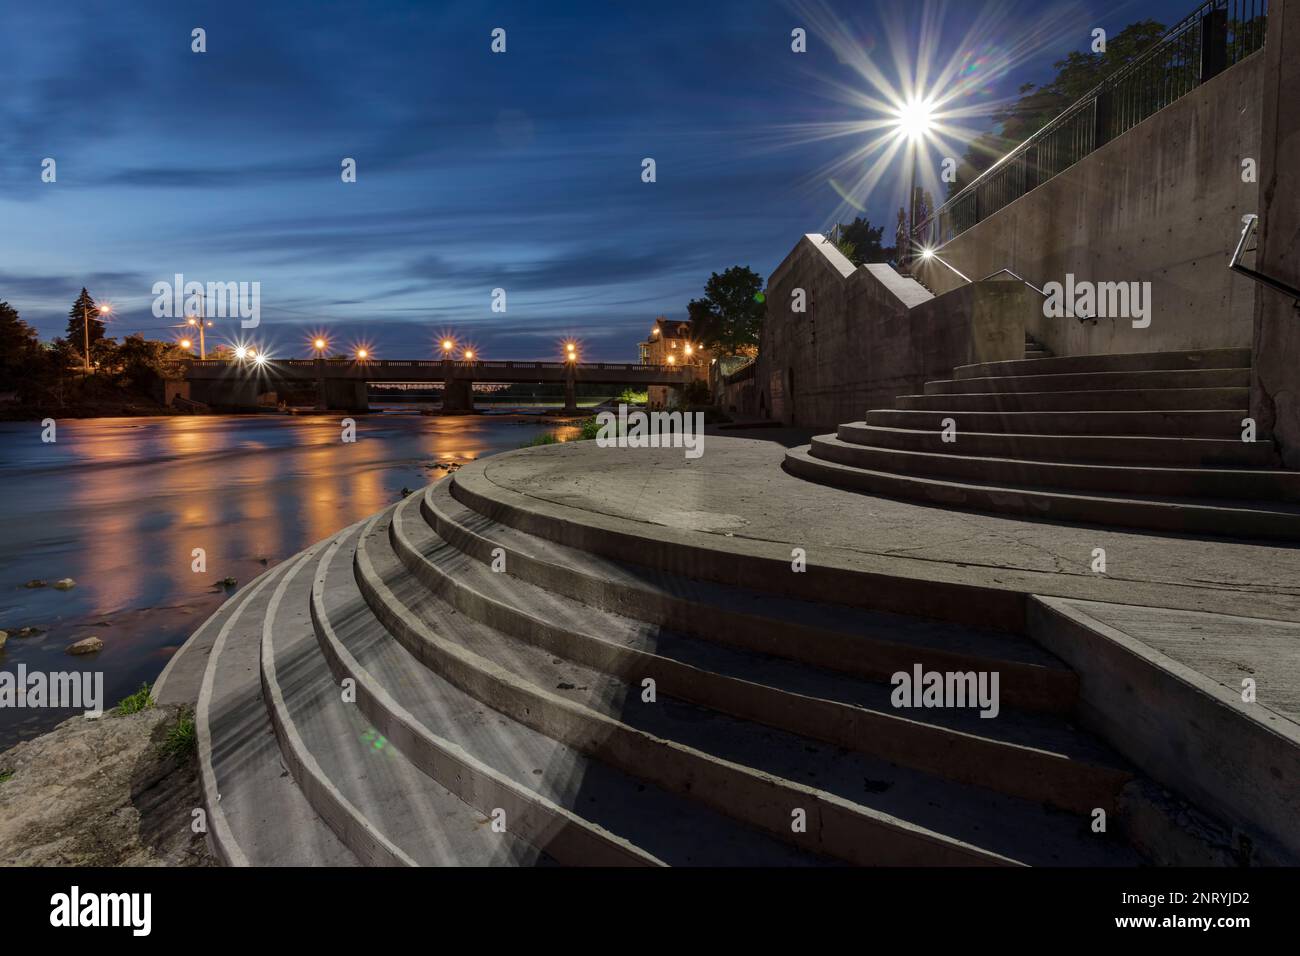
(120, 504)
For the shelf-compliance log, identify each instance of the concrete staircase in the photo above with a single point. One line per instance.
(388, 695)
(1151, 440)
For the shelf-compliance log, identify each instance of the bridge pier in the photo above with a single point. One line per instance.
(346, 395)
(570, 396)
(238, 393)
(458, 395)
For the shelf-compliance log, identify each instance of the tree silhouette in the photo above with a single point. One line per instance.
(730, 315)
(85, 305)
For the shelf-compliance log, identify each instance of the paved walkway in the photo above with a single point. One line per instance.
(737, 489)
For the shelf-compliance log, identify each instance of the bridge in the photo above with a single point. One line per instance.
(341, 383)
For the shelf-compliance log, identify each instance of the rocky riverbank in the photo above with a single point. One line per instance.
(118, 791)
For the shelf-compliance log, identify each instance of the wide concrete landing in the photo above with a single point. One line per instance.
(1225, 648)
(737, 492)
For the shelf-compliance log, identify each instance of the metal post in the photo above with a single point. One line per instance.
(85, 328)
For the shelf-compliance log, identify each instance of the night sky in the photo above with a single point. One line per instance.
(475, 170)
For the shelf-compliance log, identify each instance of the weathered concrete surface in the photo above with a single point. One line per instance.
(869, 335)
(1238, 758)
(736, 497)
(1275, 392)
(101, 793)
(1162, 203)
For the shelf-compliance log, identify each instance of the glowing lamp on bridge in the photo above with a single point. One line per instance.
(319, 345)
(570, 352)
(241, 352)
(186, 344)
(362, 354)
(447, 346)
(469, 355)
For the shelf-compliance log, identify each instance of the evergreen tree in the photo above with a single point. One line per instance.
(19, 346)
(85, 305)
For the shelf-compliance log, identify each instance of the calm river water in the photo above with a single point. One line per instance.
(119, 505)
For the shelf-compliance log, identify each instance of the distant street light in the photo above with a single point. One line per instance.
(672, 360)
(186, 344)
(447, 346)
(469, 355)
(320, 345)
(200, 325)
(570, 352)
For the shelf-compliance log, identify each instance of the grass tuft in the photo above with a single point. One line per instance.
(181, 738)
(140, 700)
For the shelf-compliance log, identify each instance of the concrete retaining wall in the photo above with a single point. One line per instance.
(868, 335)
(1162, 202)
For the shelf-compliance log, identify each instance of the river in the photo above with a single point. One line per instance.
(120, 504)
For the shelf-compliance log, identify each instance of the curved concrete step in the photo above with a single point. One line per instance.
(1128, 361)
(1243, 485)
(1146, 399)
(1127, 449)
(379, 804)
(1179, 515)
(1222, 425)
(870, 811)
(1030, 756)
(256, 813)
(628, 814)
(854, 641)
(1092, 381)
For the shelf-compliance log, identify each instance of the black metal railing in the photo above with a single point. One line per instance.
(1213, 37)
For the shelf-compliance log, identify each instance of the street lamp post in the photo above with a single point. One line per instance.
(320, 345)
(85, 327)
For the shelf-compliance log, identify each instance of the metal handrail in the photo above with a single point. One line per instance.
(1277, 285)
(1091, 98)
(1019, 278)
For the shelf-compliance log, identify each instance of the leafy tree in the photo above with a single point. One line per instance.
(85, 306)
(1076, 75)
(729, 316)
(861, 242)
(139, 362)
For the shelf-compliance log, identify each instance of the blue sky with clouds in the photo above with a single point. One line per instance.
(475, 171)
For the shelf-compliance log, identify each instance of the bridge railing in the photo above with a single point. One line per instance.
(1216, 35)
(380, 365)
